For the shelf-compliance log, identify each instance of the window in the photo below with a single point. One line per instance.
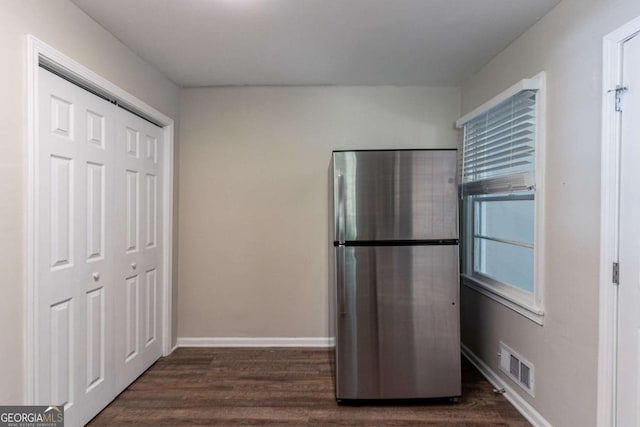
(501, 189)
(503, 239)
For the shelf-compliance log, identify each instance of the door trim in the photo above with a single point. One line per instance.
(609, 202)
(36, 52)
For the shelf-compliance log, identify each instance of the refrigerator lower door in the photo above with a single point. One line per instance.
(398, 333)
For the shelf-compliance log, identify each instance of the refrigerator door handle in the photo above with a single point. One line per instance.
(341, 209)
(342, 292)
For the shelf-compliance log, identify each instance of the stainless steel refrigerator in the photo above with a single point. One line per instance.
(396, 270)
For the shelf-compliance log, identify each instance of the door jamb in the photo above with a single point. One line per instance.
(609, 210)
(37, 51)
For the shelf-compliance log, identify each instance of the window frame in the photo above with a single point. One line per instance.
(528, 304)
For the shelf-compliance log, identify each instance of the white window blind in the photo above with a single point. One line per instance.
(499, 147)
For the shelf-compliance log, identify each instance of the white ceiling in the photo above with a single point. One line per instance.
(317, 42)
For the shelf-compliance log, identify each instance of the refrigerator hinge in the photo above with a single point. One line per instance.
(616, 273)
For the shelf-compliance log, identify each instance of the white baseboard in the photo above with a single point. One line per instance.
(324, 342)
(510, 394)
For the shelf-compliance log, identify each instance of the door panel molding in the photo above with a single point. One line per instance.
(37, 53)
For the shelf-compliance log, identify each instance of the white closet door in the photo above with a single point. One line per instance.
(99, 248)
(75, 249)
(139, 148)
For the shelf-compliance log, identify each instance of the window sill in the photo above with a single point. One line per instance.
(510, 298)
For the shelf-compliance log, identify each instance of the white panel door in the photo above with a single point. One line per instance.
(99, 248)
(628, 377)
(75, 255)
(139, 252)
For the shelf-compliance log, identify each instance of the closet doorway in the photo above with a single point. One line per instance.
(99, 247)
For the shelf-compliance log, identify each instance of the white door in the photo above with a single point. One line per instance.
(75, 254)
(98, 248)
(139, 250)
(628, 363)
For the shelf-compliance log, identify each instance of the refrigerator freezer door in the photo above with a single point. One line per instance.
(395, 195)
(398, 335)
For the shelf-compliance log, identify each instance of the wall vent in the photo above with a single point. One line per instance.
(519, 369)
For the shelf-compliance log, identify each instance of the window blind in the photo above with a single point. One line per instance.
(499, 147)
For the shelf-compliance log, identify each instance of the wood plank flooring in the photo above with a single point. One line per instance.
(281, 387)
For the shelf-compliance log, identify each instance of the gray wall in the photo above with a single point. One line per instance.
(62, 25)
(567, 44)
(254, 196)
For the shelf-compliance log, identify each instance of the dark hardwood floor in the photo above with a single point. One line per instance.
(278, 387)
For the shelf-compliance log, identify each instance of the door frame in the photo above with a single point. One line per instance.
(37, 52)
(609, 223)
